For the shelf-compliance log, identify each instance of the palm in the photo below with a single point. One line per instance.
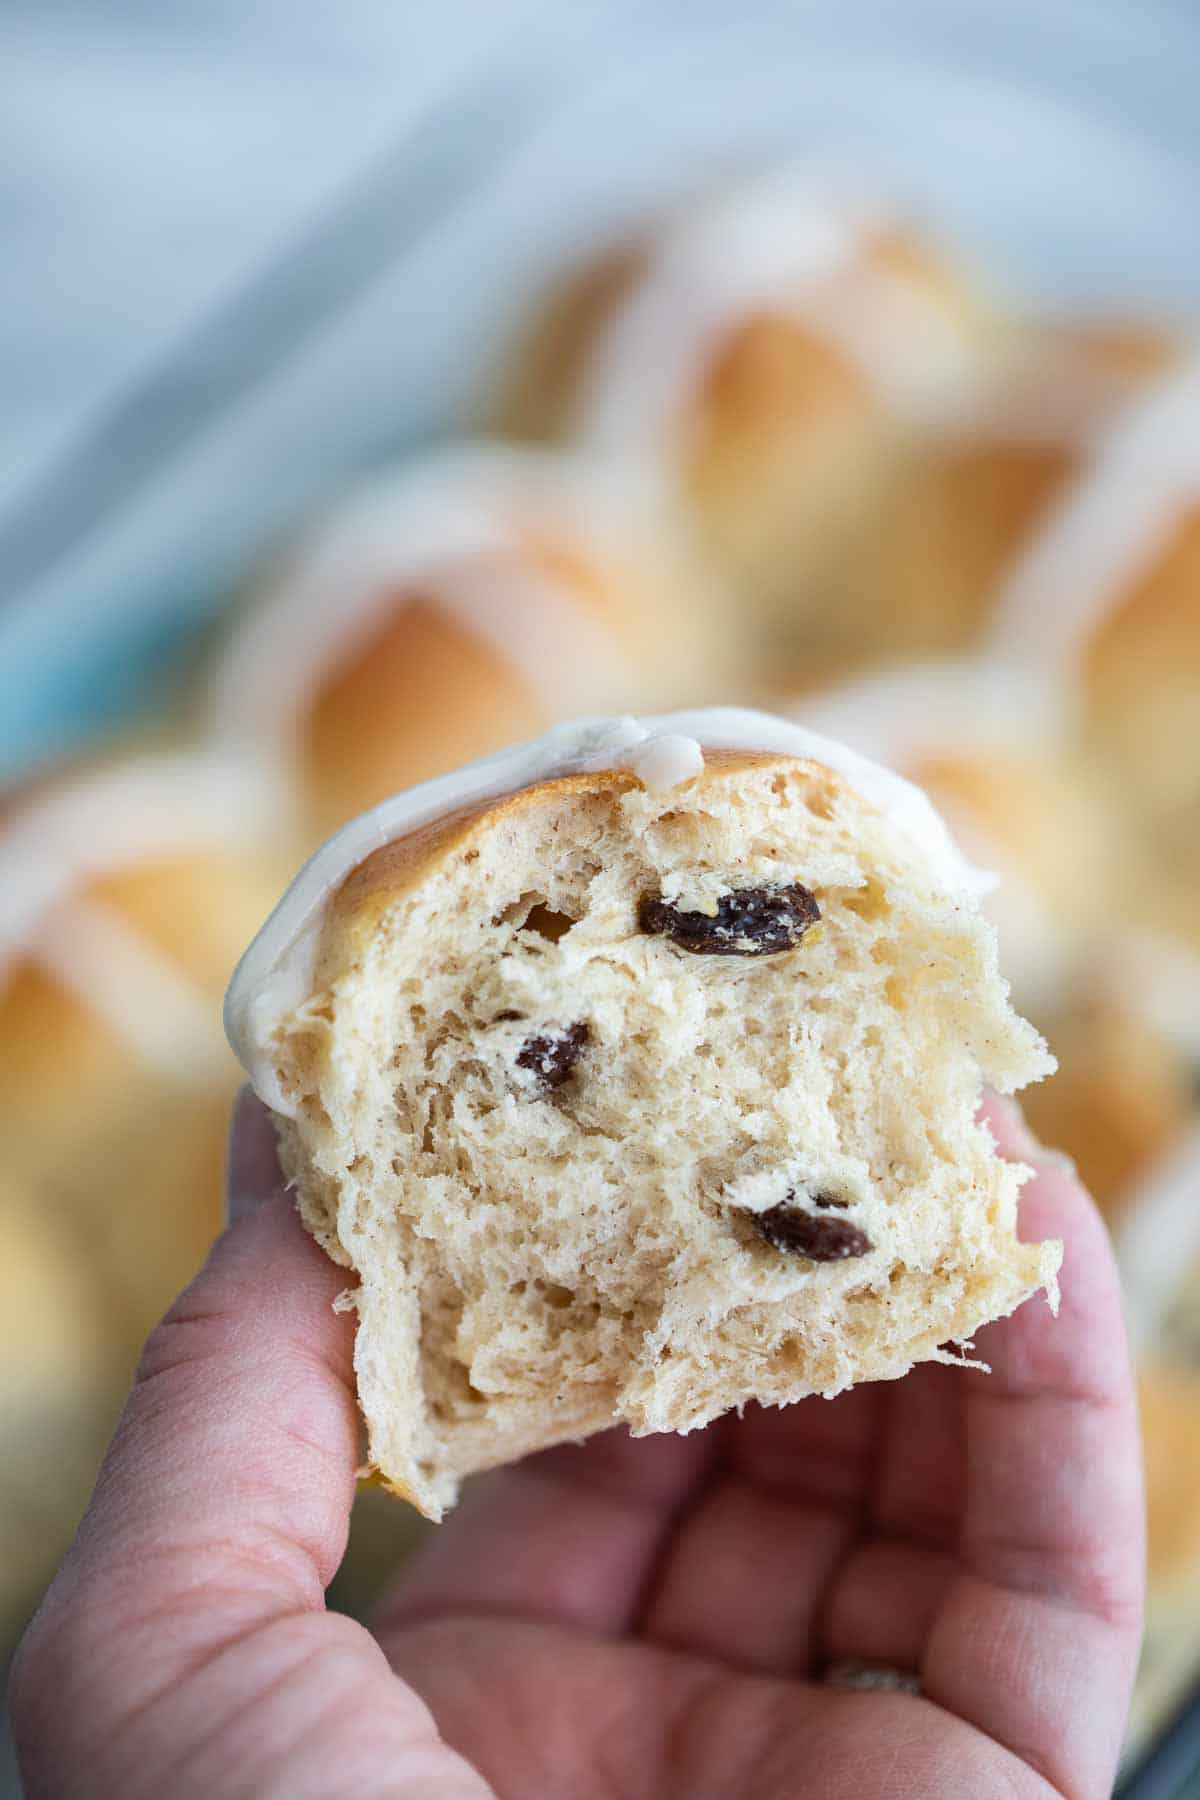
(656, 1618)
(632, 1619)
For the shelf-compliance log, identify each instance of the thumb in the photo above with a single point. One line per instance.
(239, 1440)
(184, 1646)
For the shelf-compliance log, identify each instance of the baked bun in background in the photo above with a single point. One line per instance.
(124, 896)
(1158, 1248)
(992, 747)
(1157, 1240)
(765, 355)
(1127, 1041)
(451, 606)
(1170, 1413)
(1105, 600)
(986, 475)
(57, 1405)
(634, 1075)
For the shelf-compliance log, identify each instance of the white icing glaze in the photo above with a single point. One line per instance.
(1117, 516)
(664, 762)
(153, 808)
(783, 245)
(897, 715)
(1158, 1241)
(1051, 391)
(452, 529)
(157, 806)
(150, 1002)
(275, 976)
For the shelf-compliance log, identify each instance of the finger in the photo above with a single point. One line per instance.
(578, 1535)
(542, 1711)
(1036, 1640)
(745, 1582)
(883, 1603)
(746, 1578)
(571, 1535)
(888, 1591)
(189, 1615)
(819, 1450)
(252, 1171)
(920, 1479)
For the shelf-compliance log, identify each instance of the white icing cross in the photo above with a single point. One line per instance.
(1115, 520)
(154, 808)
(448, 530)
(148, 1000)
(782, 245)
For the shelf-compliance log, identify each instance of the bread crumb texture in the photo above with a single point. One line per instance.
(624, 1106)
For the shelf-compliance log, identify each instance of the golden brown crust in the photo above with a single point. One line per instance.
(1159, 618)
(398, 867)
(421, 696)
(770, 369)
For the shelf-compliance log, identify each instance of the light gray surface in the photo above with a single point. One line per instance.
(154, 153)
(1063, 144)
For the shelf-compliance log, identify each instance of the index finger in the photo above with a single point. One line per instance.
(1037, 1639)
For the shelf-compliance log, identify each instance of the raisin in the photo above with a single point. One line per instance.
(800, 1233)
(758, 921)
(552, 1055)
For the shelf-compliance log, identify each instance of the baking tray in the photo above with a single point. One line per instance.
(1060, 147)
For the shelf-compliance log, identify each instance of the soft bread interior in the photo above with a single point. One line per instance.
(587, 1165)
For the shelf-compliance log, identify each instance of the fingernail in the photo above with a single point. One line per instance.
(252, 1172)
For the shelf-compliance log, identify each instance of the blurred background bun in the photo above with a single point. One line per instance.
(1106, 600)
(464, 601)
(126, 894)
(59, 1379)
(987, 476)
(1170, 1409)
(1158, 1249)
(767, 355)
(993, 747)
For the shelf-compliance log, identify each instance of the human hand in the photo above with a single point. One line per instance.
(652, 1618)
